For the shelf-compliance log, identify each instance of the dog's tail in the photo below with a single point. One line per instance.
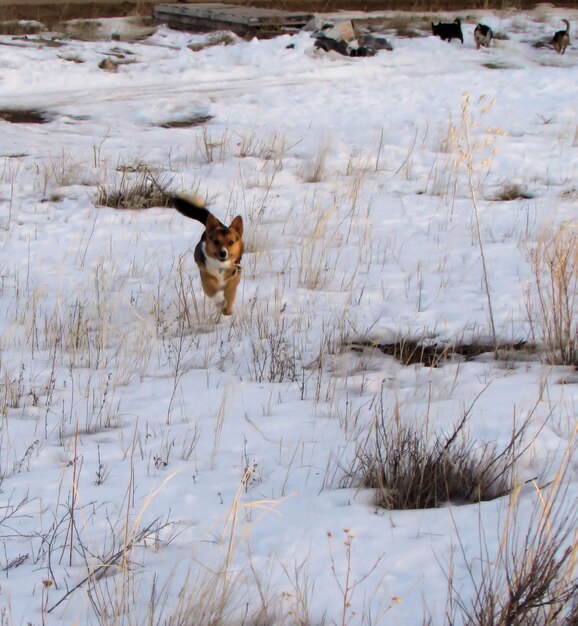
(567, 26)
(192, 208)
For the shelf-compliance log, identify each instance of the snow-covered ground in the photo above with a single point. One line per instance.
(203, 461)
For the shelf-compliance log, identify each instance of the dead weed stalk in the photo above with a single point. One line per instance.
(552, 301)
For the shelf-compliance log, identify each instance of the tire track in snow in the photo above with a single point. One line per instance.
(234, 86)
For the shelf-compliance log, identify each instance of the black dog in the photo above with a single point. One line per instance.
(483, 36)
(448, 30)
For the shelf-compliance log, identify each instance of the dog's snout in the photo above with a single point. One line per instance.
(223, 254)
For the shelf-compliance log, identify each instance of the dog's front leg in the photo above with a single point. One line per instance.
(213, 290)
(229, 293)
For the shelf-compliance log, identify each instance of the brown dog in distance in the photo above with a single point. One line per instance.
(561, 38)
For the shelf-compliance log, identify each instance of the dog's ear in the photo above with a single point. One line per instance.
(212, 222)
(237, 224)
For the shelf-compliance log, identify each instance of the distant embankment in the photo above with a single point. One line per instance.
(59, 10)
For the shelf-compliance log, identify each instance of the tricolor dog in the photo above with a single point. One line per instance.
(217, 254)
(483, 36)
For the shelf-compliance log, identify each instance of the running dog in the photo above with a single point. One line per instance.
(483, 36)
(561, 38)
(217, 254)
(448, 30)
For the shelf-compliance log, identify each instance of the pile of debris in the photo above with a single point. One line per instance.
(342, 37)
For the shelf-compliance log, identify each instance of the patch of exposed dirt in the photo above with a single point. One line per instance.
(411, 352)
(25, 116)
(190, 122)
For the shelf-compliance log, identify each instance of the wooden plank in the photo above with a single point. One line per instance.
(236, 9)
(239, 18)
(226, 9)
(181, 13)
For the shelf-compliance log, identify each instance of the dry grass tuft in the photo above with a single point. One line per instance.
(137, 188)
(408, 25)
(315, 170)
(512, 191)
(532, 578)
(21, 27)
(211, 148)
(409, 469)
(552, 302)
(25, 116)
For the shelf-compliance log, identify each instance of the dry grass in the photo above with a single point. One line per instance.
(532, 578)
(512, 191)
(552, 301)
(404, 24)
(406, 465)
(132, 28)
(83, 30)
(137, 188)
(276, 357)
(410, 469)
(61, 171)
(315, 170)
(25, 116)
(211, 148)
(21, 27)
